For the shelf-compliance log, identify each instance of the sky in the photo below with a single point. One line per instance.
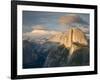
(57, 21)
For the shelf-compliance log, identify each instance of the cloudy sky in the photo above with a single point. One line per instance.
(57, 21)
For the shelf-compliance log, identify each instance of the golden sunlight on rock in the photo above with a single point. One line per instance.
(75, 35)
(73, 39)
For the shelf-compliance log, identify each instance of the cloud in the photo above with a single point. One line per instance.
(38, 31)
(70, 19)
(39, 27)
(84, 29)
(67, 19)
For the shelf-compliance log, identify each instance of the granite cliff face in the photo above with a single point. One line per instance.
(73, 39)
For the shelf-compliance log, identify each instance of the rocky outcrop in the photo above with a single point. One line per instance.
(59, 57)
